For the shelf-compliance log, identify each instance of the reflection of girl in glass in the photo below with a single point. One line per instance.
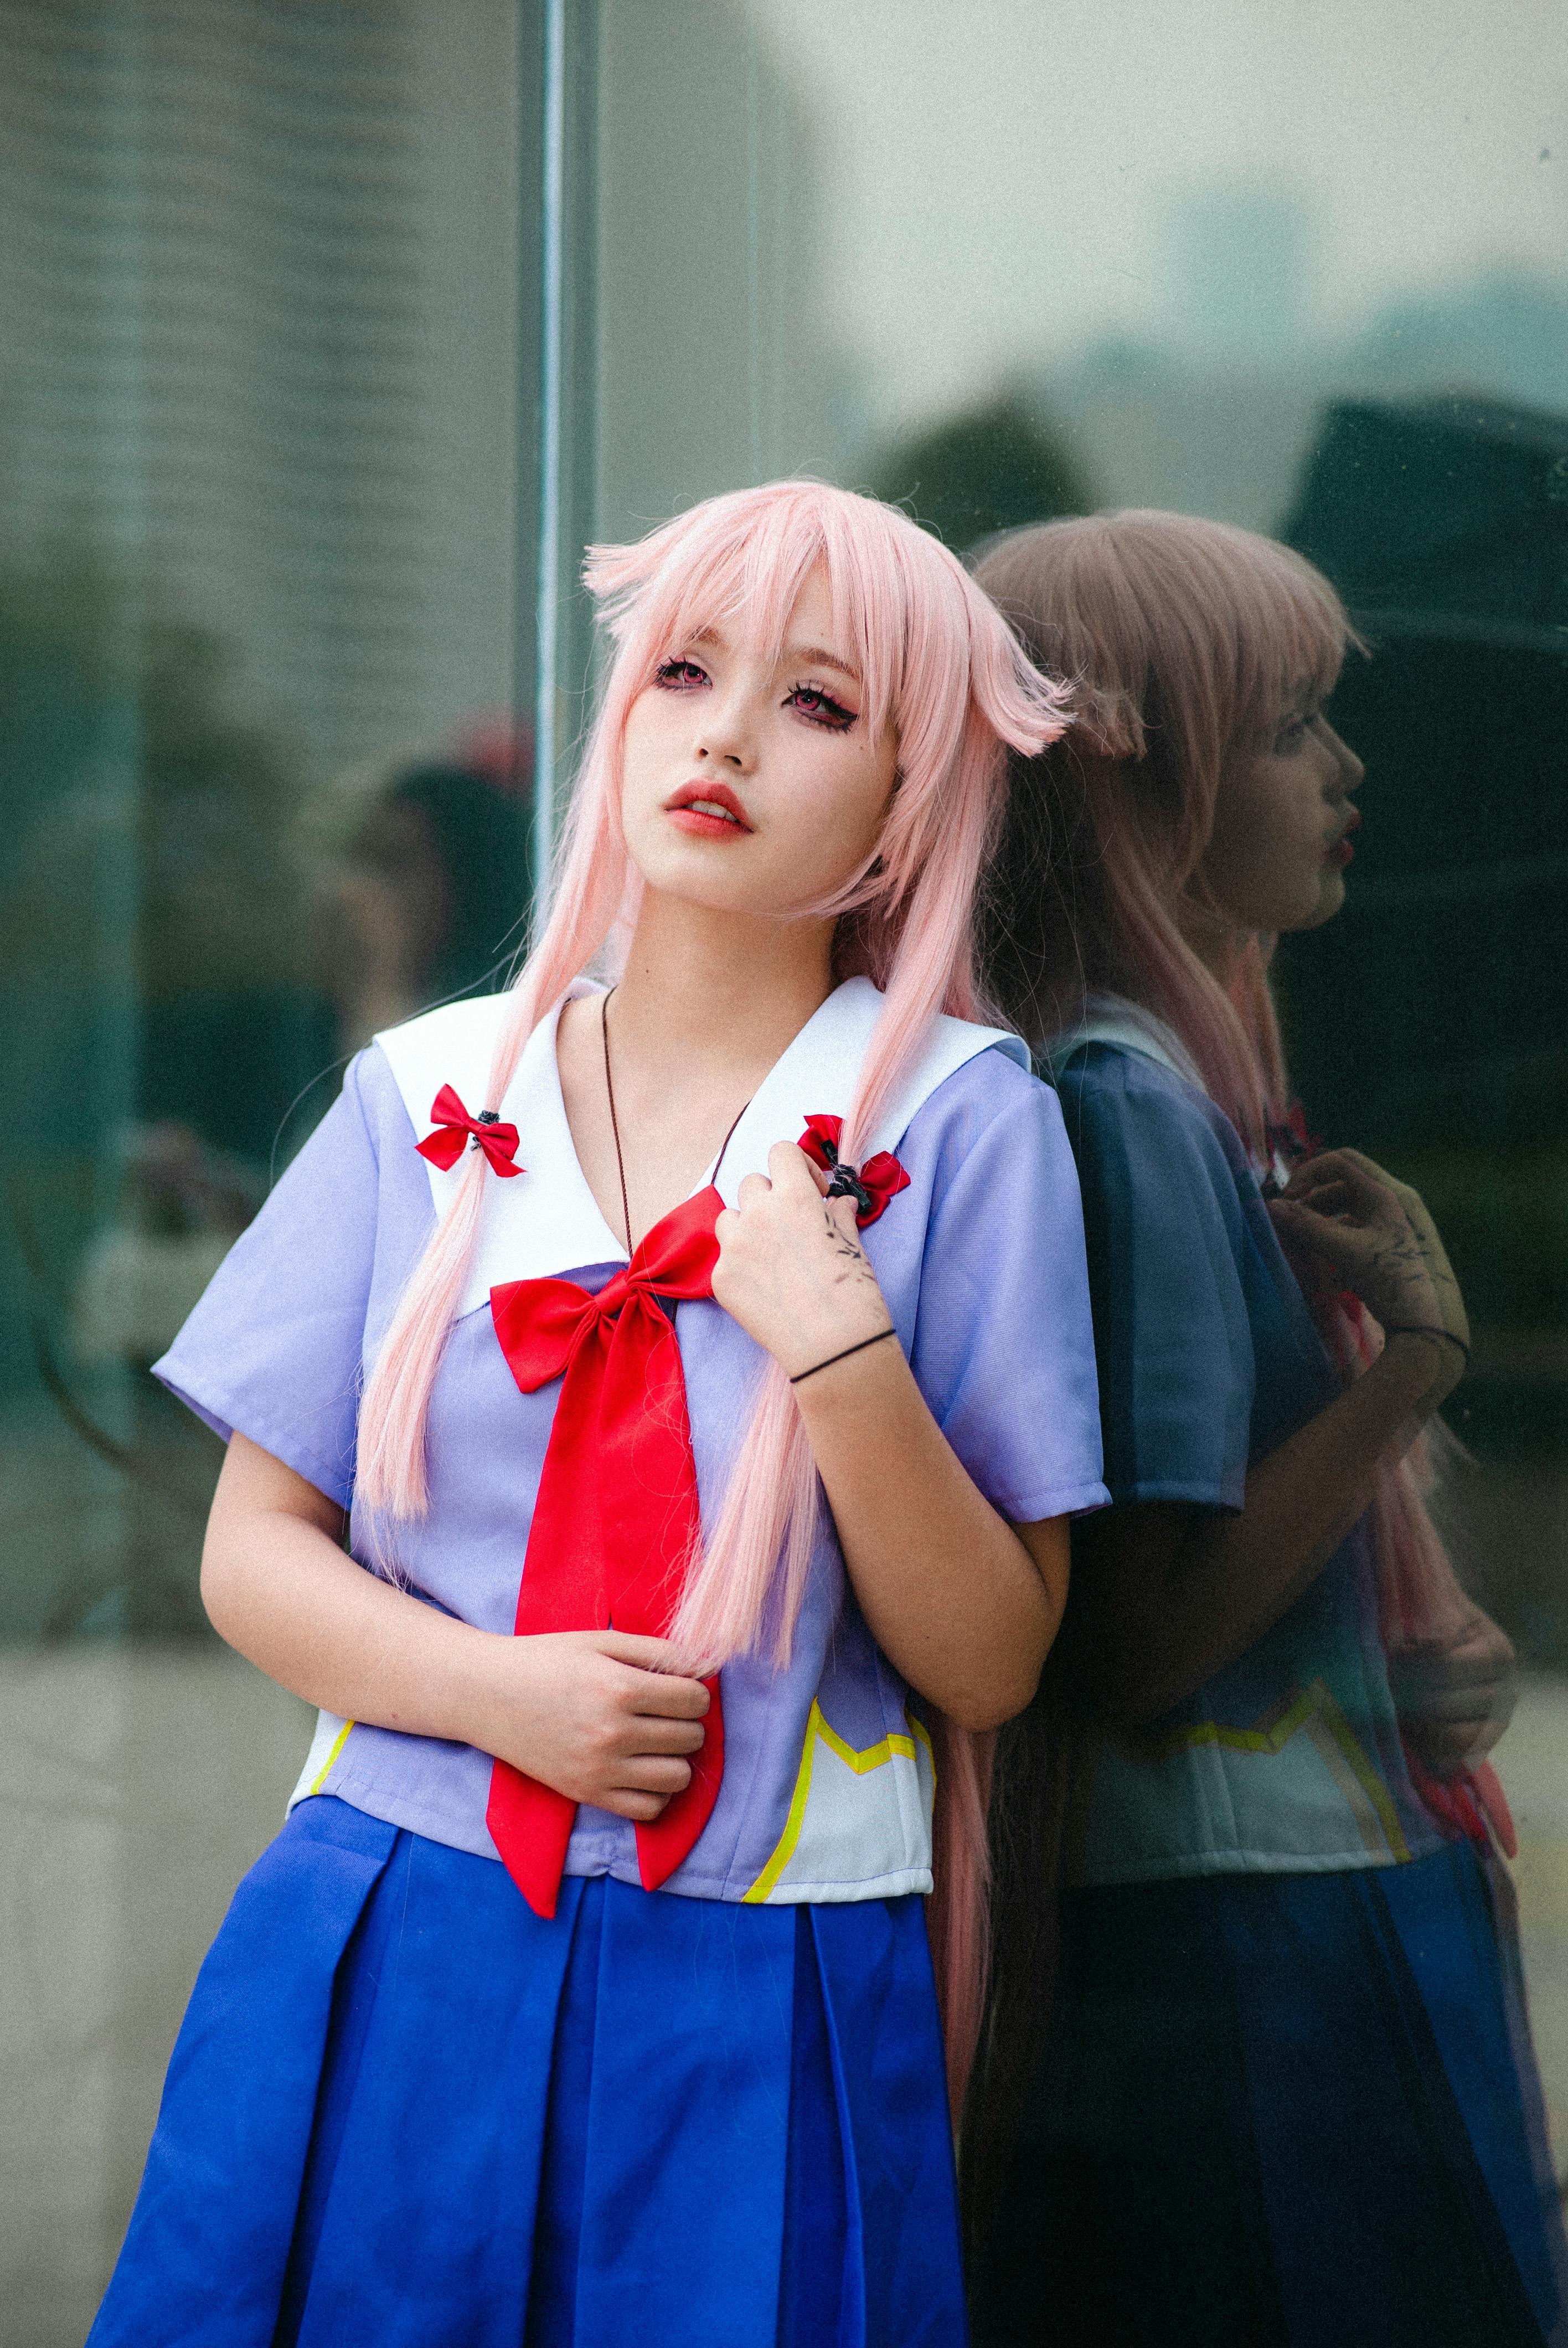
(1285, 2092)
(673, 2071)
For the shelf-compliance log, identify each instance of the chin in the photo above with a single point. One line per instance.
(1329, 901)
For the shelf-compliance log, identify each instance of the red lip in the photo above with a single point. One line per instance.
(698, 820)
(1341, 852)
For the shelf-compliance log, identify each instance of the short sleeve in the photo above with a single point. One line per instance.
(1004, 1344)
(1167, 1244)
(273, 1350)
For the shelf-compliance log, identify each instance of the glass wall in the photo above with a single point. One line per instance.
(267, 471)
(271, 397)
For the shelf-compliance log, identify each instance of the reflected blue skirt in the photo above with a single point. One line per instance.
(404, 2109)
(1289, 2111)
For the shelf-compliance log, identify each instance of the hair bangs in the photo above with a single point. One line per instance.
(739, 564)
(1292, 632)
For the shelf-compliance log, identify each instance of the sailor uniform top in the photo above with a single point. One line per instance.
(1288, 1759)
(827, 1778)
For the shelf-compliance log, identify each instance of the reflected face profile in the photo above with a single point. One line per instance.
(1283, 824)
(751, 783)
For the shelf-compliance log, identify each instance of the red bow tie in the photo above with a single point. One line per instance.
(880, 1178)
(454, 1126)
(616, 1521)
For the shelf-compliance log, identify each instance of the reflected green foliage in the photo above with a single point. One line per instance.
(990, 469)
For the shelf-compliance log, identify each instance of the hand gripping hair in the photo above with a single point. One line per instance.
(942, 668)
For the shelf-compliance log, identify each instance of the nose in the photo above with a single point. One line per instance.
(719, 748)
(726, 737)
(1352, 773)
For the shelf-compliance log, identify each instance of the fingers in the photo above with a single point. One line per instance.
(1344, 1245)
(652, 1772)
(656, 1696)
(841, 1215)
(1469, 1700)
(642, 1809)
(792, 1173)
(1337, 1182)
(1446, 1747)
(673, 1686)
(644, 1786)
(645, 1733)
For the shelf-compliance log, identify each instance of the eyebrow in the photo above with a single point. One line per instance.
(818, 657)
(808, 656)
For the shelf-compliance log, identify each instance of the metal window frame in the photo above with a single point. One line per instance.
(560, 64)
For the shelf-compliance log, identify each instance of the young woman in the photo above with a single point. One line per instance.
(586, 1995)
(1285, 2092)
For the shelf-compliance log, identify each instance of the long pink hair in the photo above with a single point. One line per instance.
(940, 668)
(1184, 640)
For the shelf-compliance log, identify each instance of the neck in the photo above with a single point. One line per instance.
(1218, 943)
(727, 990)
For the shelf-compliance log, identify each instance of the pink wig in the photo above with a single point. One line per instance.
(940, 669)
(1186, 640)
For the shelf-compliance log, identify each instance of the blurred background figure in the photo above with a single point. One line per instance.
(431, 897)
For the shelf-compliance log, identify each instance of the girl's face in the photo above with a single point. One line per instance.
(1283, 823)
(754, 786)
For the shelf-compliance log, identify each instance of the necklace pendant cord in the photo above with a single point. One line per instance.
(615, 1122)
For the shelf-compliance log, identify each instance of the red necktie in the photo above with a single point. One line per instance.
(616, 1521)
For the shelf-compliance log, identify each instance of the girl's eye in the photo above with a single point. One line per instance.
(679, 675)
(820, 708)
(1292, 734)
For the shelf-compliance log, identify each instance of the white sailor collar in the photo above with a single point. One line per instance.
(546, 1221)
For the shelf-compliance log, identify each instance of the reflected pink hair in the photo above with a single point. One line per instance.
(941, 669)
(1184, 640)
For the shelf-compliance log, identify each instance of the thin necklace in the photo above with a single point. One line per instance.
(615, 1121)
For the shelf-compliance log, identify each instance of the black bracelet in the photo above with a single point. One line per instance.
(844, 1357)
(1424, 1329)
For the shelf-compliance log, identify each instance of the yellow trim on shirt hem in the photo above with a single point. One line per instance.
(875, 1756)
(324, 1772)
(1271, 1737)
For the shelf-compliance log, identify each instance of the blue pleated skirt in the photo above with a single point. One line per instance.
(404, 2109)
(1291, 2111)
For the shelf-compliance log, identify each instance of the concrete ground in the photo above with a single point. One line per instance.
(136, 1786)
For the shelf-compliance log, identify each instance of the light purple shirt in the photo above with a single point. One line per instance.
(827, 1773)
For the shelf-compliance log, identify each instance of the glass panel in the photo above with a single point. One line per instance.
(1302, 271)
(267, 360)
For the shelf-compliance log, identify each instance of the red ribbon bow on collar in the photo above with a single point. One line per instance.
(453, 1127)
(880, 1178)
(1295, 1142)
(616, 1520)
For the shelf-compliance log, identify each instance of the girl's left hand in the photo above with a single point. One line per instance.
(791, 1267)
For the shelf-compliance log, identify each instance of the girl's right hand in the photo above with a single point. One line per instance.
(1455, 1694)
(604, 1716)
(1348, 1224)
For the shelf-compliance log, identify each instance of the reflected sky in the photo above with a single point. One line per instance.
(1406, 148)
